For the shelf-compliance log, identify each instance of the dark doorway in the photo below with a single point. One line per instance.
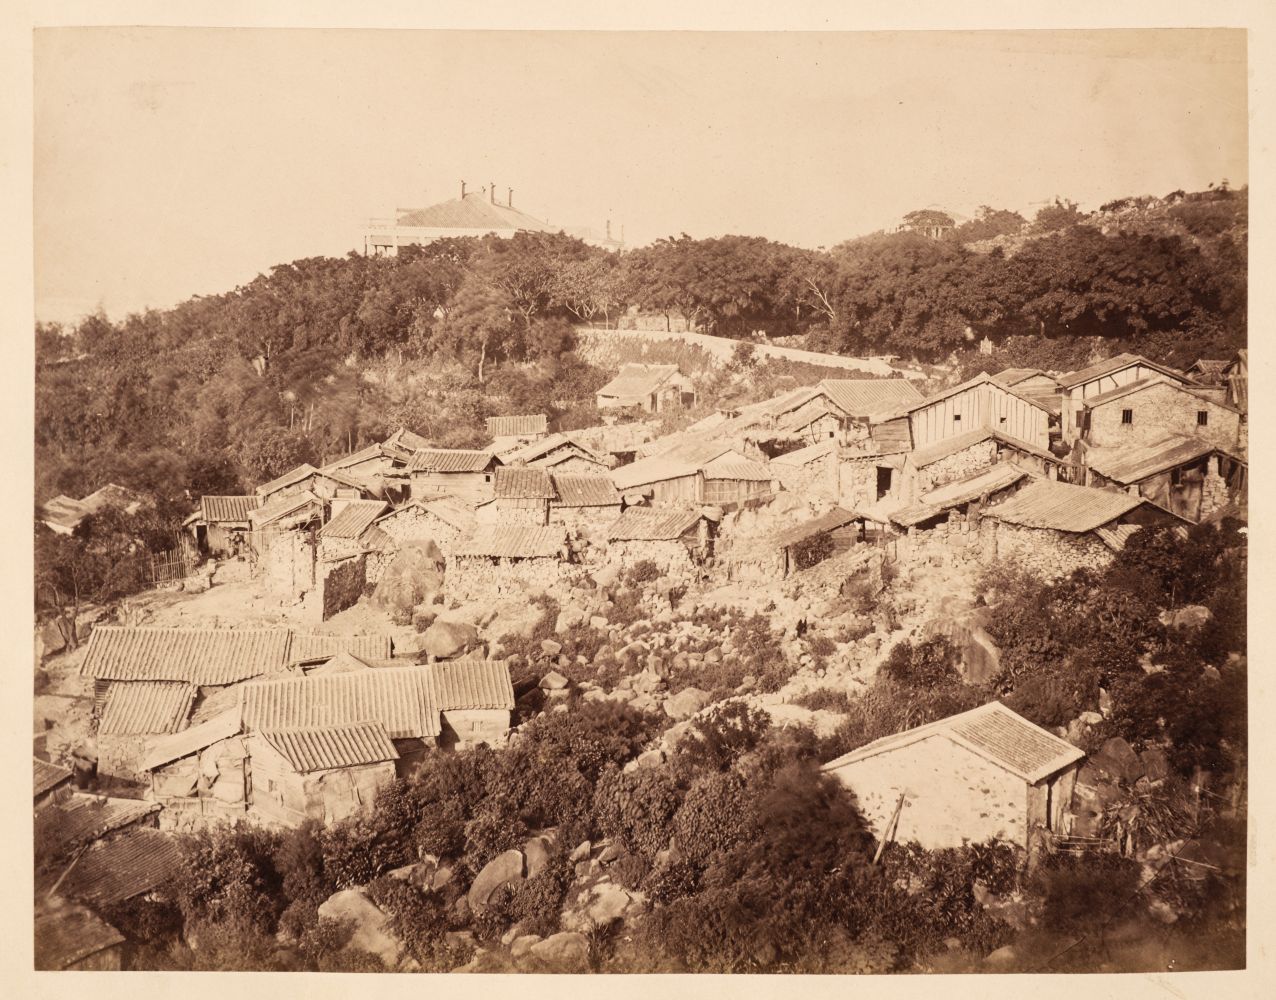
(883, 481)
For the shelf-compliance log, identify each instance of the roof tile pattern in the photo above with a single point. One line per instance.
(1133, 464)
(584, 490)
(47, 776)
(472, 684)
(516, 426)
(233, 508)
(66, 933)
(326, 747)
(450, 460)
(289, 478)
(139, 708)
(640, 524)
(353, 519)
(514, 542)
(126, 866)
(401, 699)
(203, 657)
(868, 397)
(312, 645)
(830, 521)
(521, 483)
(1046, 503)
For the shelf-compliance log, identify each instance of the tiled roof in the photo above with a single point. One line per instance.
(637, 380)
(734, 467)
(983, 378)
(280, 508)
(400, 698)
(234, 509)
(47, 776)
(112, 495)
(322, 748)
(472, 684)
(522, 483)
(289, 478)
(795, 423)
(139, 708)
(685, 459)
(166, 749)
(538, 450)
(125, 866)
(202, 657)
(1136, 463)
(403, 442)
(353, 519)
(451, 512)
(949, 446)
(993, 732)
(64, 512)
(1013, 376)
(804, 456)
(585, 490)
(372, 451)
(313, 645)
(454, 460)
(861, 397)
(641, 524)
(1113, 365)
(82, 818)
(516, 426)
(475, 211)
(973, 487)
(514, 542)
(1145, 383)
(1114, 536)
(1045, 503)
(830, 521)
(67, 933)
(914, 514)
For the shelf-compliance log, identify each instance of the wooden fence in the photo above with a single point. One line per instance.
(172, 567)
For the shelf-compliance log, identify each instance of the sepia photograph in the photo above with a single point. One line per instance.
(640, 501)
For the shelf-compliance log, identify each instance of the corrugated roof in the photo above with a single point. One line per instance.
(522, 483)
(514, 542)
(1111, 366)
(998, 477)
(993, 732)
(233, 508)
(830, 521)
(1136, 463)
(289, 478)
(140, 708)
(636, 380)
(47, 776)
(866, 398)
(202, 657)
(472, 684)
(518, 426)
(400, 698)
(731, 467)
(322, 748)
(475, 211)
(133, 863)
(579, 489)
(281, 507)
(67, 933)
(166, 749)
(313, 645)
(1046, 503)
(451, 460)
(82, 818)
(949, 446)
(804, 456)
(641, 524)
(353, 519)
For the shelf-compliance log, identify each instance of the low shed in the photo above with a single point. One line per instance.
(676, 541)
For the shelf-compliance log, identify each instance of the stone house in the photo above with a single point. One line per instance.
(222, 523)
(463, 474)
(560, 453)
(324, 484)
(199, 775)
(696, 473)
(1105, 376)
(443, 521)
(789, 543)
(984, 774)
(584, 501)
(1190, 477)
(520, 496)
(370, 466)
(653, 388)
(1052, 528)
(1146, 410)
(812, 472)
(676, 541)
(345, 533)
(979, 403)
(503, 559)
(965, 497)
(513, 432)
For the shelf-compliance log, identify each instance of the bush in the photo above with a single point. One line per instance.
(825, 699)
(635, 808)
(1081, 893)
(715, 816)
(924, 665)
(643, 571)
(717, 740)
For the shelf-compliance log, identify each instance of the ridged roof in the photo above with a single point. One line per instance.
(231, 508)
(804, 456)
(82, 818)
(143, 708)
(522, 483)
(353, 519)
(734, 467)
(949, 446)
(322, 748)
(1114, 536)
(202, 657)
(962, 491)
(579, 489)
(451, 460)
(1046, 503)
(830, 521)
(514, 542)
(475, 211)
(289, 478)
(993, 732)
(536, 451)
(312, 645)
(472, 684)
(1113, 365)
(517, 426)
(372, 451)
(641, 524)
(1136, 463)
(67, 933)
(47, 776)
(1139, 385)
(868, 397)
(64, 511)
(637, 380)
(166, 749)
(684, 459)
(125, 866)
(280, 508)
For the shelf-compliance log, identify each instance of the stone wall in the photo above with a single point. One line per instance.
(285, 561)
(343, 584)
(1049, 554)
(472, 578)
(673, 557)
(415, 524)
(1159, 410)
(952, 796)
(1214, 492)
(512, 513)
(857, 481)
(949, 469)
(204, 789)
(466, 728)
(815, 480)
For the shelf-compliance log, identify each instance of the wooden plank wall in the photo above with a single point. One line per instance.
(980, 406)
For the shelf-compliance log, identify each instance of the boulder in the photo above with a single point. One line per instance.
(1003, 958)
(446, 640)
(597, 622)
(553, 681)
(415, 572)
(610, 853)
(501, 870)
(522, 945)
(1190, 616)
(1155, 765)
(566, 950)
(1117, 759)
(372, 931)
(551, 648)
(686, 703)
(602, 904)
(580, 852)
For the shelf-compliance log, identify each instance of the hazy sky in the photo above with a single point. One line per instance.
(173, 162)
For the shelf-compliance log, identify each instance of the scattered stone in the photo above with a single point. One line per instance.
(1117, 759)
(445, 640)
(580, 852)
(1191, 616)
(504, 868)
(610, 853)
(372, 931)
(551, 648)
(686, 703)
(523, 944)
(603, 903)
(553, 681)
(598, 622)
(1003, 957)
(568, 950)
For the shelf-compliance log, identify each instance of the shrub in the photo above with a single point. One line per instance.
(825, 699)
(715, 816)
(537, 903)
(635, 808)
(717, 740)
(810, 551)
(643, 571)
(1080, 893)
(924, 665)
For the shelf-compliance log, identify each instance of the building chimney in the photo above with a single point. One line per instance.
(462, 190)
(509, 200)
(491, 191)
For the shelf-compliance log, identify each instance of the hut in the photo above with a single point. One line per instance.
(812, 472)
(305, 478)
(71, 937)
(584, 500)
(463, 474)
(696, 473)
(443, 521)
(803, 545)
(512, 432)
(1190, 477)
(560, 453)
(199, 774)
(979, 403)
(501, 559)
(520, 496)
(1146, 410)
(51, 783)
(676, 541)
(222, 523)
(653, 388)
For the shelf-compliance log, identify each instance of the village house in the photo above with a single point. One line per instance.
(222, 523)
(694, 474)
(513, 432)
(979, 403)
(199, 774)
(307, 479)
(1145, 410)
(616, 444)
(463, 474)
(443, 521)
(51, 783)
(1103, 377)
(584, 501)
(812, 472)
(984, 774)
(676, 541)
(1052, 528)
(368, 466)
(520, 495)
(72, 823)
(863, 402)
(503, 559)
(1190, 477)
(812, 541)
(71, 937)
(1037, 385)
(560, 453)
(653, 388)
(344, 534)
(965, 497)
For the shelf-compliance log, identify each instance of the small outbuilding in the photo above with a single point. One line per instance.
(1190, 477)
(676, 541)
(511, 432)
(461, 473)
(653, 388)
